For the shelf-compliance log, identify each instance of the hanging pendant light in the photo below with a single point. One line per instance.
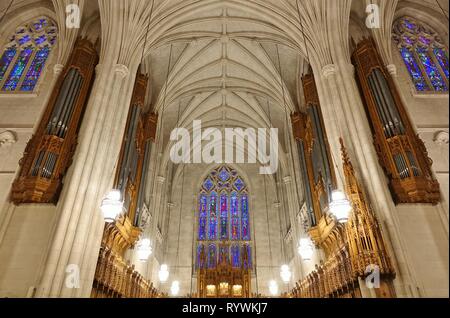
(163, 273)
(306, 249)
(175, 288)
(285, 274)
(144, 250)
(273, 288)
(340, 206)
(112, 206)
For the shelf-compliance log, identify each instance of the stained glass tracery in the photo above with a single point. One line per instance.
(424, 54)
(24, 57)
(224, 218)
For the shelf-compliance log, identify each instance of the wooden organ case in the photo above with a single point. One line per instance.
(401, 153)
(224, 280)
(49, 153)
(316, 162)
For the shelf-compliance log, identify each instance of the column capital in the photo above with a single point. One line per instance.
(329, 70)
(58, 68)
(121, 70)
(160, 179)
(287, 180)
(170, 205)
(392, 69)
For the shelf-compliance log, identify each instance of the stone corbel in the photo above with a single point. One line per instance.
(7, 138)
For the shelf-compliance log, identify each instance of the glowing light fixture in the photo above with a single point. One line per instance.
(273, 287)
(144, 250)
(112, 206)
(340, 206)
(285, 274)
(163, 273)
(175, 288)
(306, 249)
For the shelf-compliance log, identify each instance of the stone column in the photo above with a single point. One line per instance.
(78, 230)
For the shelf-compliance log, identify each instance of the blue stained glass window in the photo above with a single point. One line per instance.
(235, 256)
(208, 184)
(245, 220)
(203, 217)
(35, 70)
(29, 48)
(40, 24)
(234, 207)
(24, 39)
(432, 71)
(212, 235)
(40, 39)
(442, 58)
(410, 25)
(414, 70)
(224, 175)
(424, 55)
(6, 60)
(239, 184)
(18, 69)
(223, 216)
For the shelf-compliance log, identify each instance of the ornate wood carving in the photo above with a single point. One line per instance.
(365, 240)
(115, 278)
(49, 153)
(350, 250)
(224, 280)
(401, 153)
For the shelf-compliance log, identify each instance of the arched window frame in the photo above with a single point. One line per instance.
(30, 48)
(230, 192)
(417, 42)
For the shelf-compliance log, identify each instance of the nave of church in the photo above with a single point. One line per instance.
(224, 149)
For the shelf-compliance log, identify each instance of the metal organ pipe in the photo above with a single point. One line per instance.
(69, 107)
(390, 101)
(379, 107)
(148, 147)
(62, 96)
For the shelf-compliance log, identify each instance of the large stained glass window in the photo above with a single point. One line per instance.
(223, 219)
(424, 54)
(25, 55)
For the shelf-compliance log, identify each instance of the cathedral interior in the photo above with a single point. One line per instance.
(117, 179)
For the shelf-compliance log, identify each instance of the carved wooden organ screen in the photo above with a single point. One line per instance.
(315, 160)
(49, 153)
(401, 152)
